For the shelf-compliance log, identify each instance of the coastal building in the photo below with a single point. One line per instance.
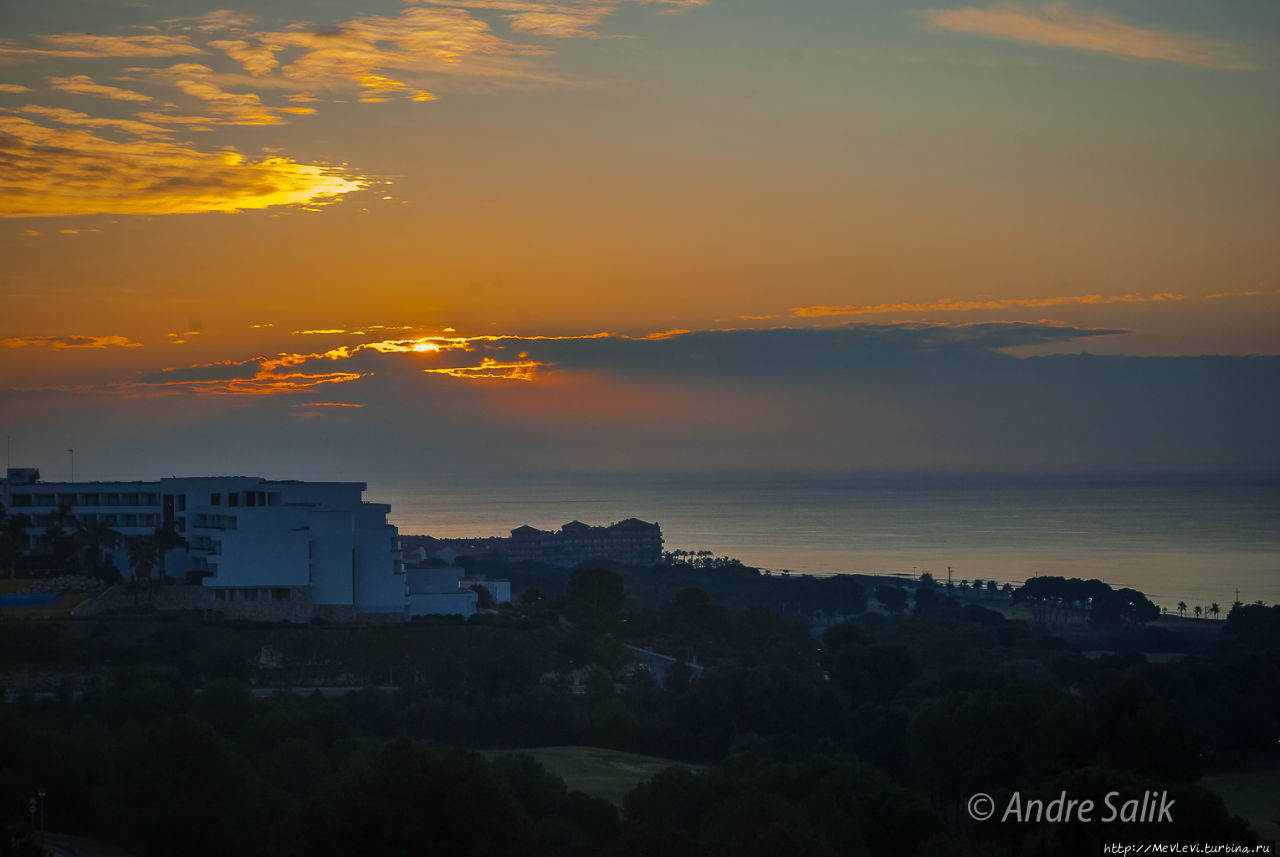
(631, 541)
(311, 549)
(437, 590)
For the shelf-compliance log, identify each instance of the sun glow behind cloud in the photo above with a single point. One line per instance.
(61, 171)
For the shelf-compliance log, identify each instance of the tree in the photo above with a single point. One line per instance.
(892, 598)
(597, 587)
(926, 599)
(144, 555)
(1182, 607)
(95, 538)
(13, 538)
(484, 599)
(1214, 609)
(926, 579)
(1199, 610)
(167, 538)
(58, 537)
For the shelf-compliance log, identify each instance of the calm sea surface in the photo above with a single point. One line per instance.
(1190, 539)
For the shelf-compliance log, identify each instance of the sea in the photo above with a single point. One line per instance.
(1195, 539)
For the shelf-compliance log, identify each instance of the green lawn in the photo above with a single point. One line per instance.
(607, 774)
(1252, 795)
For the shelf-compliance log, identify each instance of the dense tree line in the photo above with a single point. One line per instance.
(866, 740)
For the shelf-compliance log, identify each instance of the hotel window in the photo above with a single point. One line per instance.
(250, 499)
(182, 502)
(45, 500)
(280, 595)
(130, 500)
(67, 500)
(215, 499)
(233, 499)
(107, 499)
(22, 499)
(151, 499)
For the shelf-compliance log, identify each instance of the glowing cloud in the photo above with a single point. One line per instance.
(258, 377)
(54, 172)
(965, 306)
(13, 87)
(59, 343)
(82, 84)
(1058, 25)
(76, 118)
(237, 108)
(86, 46)
(491, 369)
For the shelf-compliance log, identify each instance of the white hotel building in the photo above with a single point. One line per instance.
(316, 545)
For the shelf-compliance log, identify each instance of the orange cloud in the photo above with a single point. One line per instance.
(86, 46)
(256, 58)
(491, 369)
(13, 87)
(257, 377)
(362, 49)
(75, 118)
(82, 84)
(236, 108)
(562, 23)
(59, 343)
(222, 19)
(1058, 25)
(949, 305)
(61, 172)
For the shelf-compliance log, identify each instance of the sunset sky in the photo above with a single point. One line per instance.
(327, 239)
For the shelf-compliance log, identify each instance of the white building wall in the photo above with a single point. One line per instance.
(332, 556)
(379, 586)
(421, 581)
(264, 558)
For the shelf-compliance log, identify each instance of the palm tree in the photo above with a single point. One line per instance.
(144, 555)
(167, 538)
(1214, 609)
(58, 536)
(13, 539)
(1199, 610)
(95, 537)
(1182, 607)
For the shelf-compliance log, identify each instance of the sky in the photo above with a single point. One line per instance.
(334, 239)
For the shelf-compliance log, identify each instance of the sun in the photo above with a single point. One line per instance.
(425, 346)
